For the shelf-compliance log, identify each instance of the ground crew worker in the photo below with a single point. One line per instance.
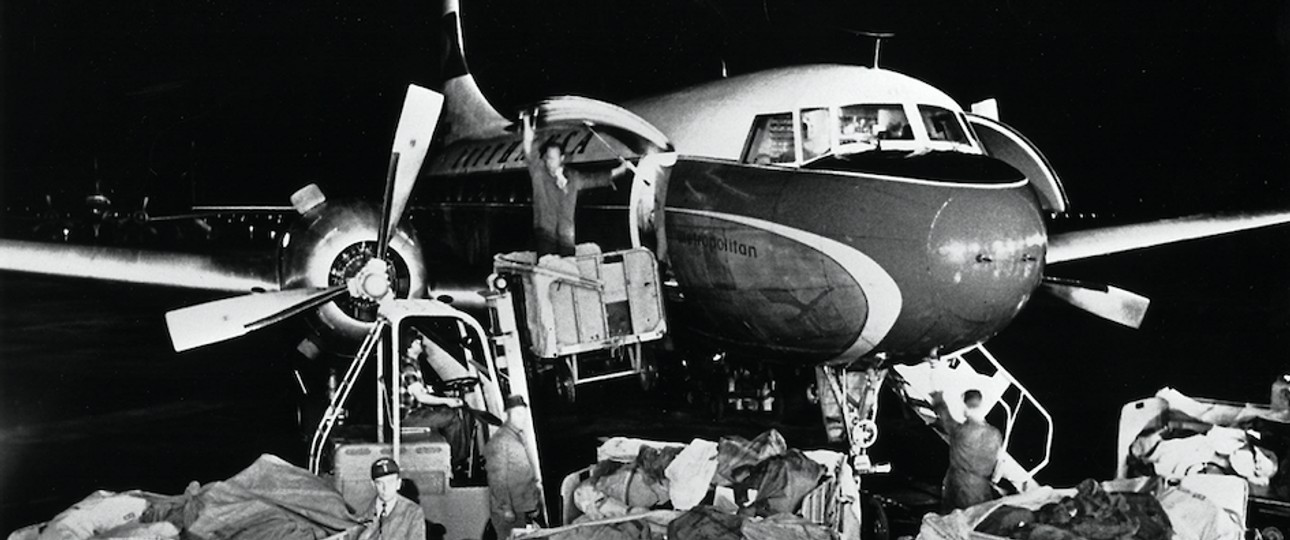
(392, 515)
(974, 450)
(424, 408)
(513, 494)
(555, 192)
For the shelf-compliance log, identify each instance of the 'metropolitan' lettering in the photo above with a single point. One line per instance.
(717, 243)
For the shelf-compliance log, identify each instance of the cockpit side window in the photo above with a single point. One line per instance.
(771, 140)
(870, 123)
(815, 133)
(943, 124)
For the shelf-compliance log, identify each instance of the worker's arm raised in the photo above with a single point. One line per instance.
(942, 409)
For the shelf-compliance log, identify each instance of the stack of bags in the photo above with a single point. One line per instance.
(1203, 507)
(733, 489)
(269, 499)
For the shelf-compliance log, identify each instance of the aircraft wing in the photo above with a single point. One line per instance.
(186, 270)
(1076, 245)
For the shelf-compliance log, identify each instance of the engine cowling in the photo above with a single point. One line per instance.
(329, 244)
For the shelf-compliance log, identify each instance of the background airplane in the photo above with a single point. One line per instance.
(1102, 82)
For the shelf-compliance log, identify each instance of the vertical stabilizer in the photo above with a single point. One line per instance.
(466, 111)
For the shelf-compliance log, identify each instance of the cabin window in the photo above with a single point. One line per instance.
(870, 123)
(943, 125)
(771, 140)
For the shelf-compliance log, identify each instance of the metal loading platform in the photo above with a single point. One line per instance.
(588, 314)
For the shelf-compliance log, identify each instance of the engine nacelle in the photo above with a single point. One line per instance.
(329, 244)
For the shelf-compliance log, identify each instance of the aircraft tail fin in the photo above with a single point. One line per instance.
(467, 113)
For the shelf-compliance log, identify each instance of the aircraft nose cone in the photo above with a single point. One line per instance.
(986, 253)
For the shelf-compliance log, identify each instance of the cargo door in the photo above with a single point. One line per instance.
(627, 137)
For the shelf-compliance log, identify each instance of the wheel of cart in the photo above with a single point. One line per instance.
(645, 366)
(566, 383)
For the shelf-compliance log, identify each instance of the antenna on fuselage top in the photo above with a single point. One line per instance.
(877, 41)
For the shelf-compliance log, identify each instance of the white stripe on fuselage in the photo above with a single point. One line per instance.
(880, 290)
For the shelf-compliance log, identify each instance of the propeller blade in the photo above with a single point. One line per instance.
(1108, 302)
(212, 322)
(412, 138)
(383, 233)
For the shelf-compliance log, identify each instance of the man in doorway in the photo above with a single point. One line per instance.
(974, 451)
(392, 515)
(515, 499)
(555, 191)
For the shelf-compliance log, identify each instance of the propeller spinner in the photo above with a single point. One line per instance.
(216, 321)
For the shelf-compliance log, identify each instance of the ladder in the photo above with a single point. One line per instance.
(974, 367)
(338, 398)
(508, 356)
(508, 353)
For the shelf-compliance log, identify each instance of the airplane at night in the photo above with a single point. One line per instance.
(814, 215)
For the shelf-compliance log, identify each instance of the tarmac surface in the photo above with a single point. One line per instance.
(92, 396)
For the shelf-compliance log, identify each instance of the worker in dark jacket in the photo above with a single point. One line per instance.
(513, 493)
(555, 191)
(974, 451)
(391, 515)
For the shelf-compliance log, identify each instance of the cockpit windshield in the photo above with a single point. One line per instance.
(870, 123)
(808, 134)
(815, 133)
(943, 125)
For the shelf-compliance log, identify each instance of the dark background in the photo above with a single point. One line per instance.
(227, 102)
(1147, 109)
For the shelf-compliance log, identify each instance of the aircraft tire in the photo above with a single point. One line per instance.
(875, 525)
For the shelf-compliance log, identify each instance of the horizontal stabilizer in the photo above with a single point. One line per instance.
(1076, 245)
(1108, 302)
(186, 270)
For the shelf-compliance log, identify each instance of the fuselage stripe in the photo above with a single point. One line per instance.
(880, 290)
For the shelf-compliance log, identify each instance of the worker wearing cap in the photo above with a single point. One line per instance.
(514, 497)
(391, 515)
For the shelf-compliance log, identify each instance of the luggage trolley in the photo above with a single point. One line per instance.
(588, 314)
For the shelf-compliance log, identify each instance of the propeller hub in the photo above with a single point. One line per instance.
(372, 282)
(368, 279)
(376, 286)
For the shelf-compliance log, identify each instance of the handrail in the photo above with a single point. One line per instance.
(1013, 411)
(334, 408)
(501, 263)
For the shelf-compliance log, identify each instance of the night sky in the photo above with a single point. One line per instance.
(1145, 108)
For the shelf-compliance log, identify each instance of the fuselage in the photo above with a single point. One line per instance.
(816, 213)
